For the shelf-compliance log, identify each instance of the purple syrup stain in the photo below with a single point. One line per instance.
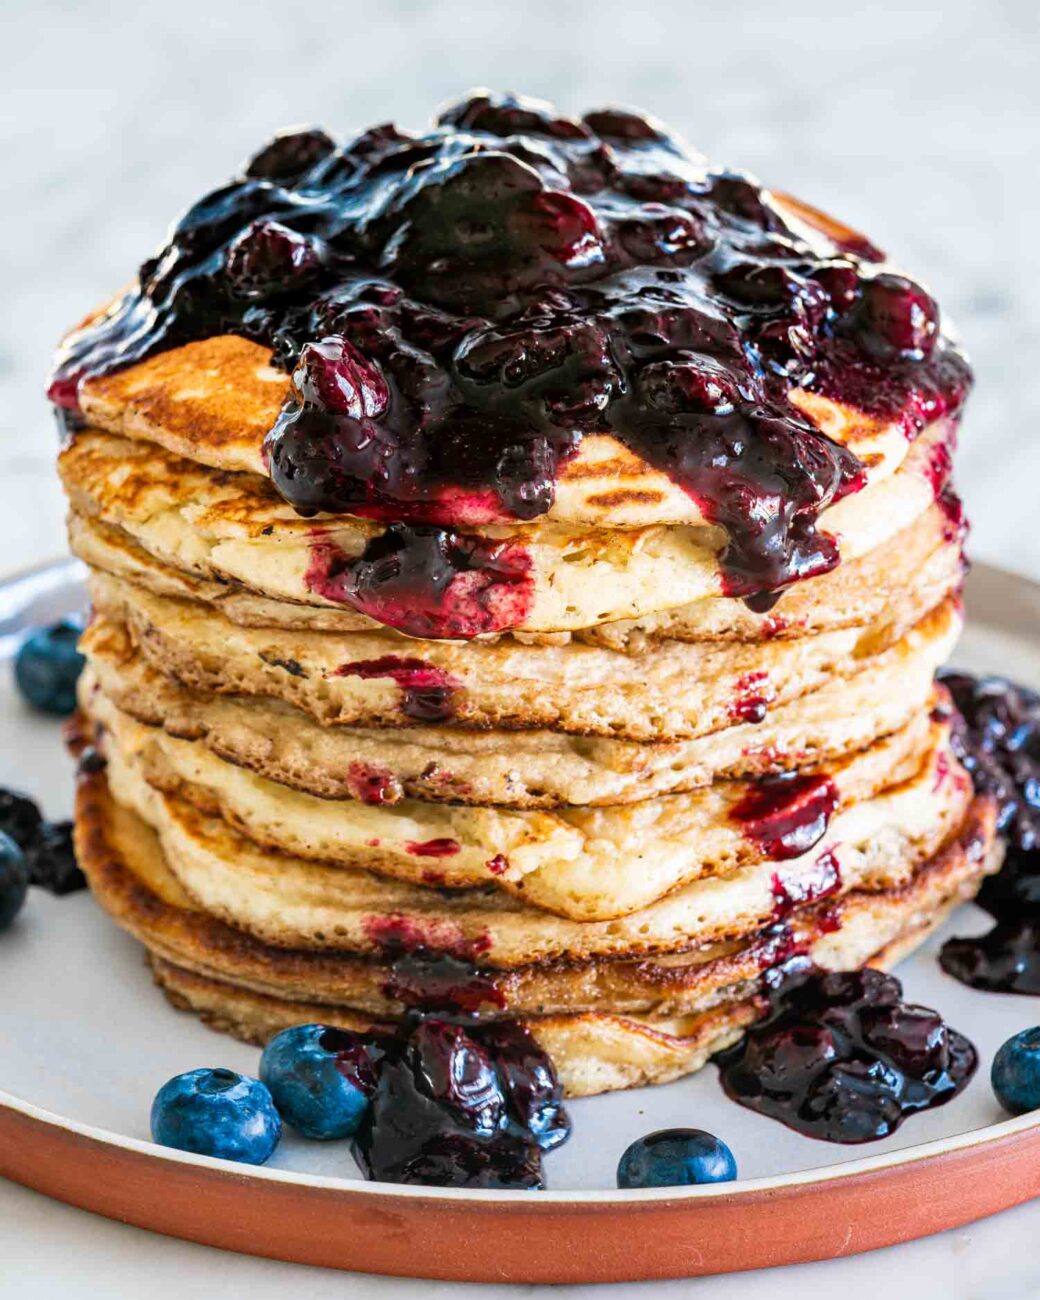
(396, 933)
(428, 582)
(996, 736)
(374, 785)
(841, 1057)
(427, 692)
(439, 848)
(752, 697)
(458, 310)
(785, 815)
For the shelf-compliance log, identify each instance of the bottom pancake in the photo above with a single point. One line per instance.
(593, 1052)
(608, 1023)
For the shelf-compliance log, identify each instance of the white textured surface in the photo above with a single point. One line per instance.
(916, 123)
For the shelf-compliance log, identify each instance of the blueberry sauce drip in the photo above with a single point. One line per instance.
(996, 735)
(459, 309)
(841, 1057)
(786, 814)
(427, 582)
(426, 691)
(437, 981)
(49, 851)
(812, 884)
(457, 1099)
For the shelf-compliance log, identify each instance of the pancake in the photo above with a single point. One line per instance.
(586, 864)
(213, 401)
(673, 690)
(253, 990)
(290, 902)
(523, 769)
(234, 527)
(921, 564)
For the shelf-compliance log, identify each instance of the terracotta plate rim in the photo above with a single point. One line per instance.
(746, 1186)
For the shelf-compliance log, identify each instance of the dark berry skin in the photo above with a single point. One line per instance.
(217, 1113)
(676, 1157)
(313, 1075)
(14, 880)
(47, 667)
(20, 817)
(1016, 1072)
(52, 860)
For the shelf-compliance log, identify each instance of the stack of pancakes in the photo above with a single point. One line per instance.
(617, 814)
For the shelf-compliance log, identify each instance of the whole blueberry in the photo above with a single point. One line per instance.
(676, 1157)
(47, 667)
(1016, 1072)
(318, 1078)
(217, 1113)
(14, 880)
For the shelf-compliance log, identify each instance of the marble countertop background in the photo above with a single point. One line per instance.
(917, 123)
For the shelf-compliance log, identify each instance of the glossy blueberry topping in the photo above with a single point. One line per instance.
(320, 1079)
(459, 1098)
(14, 880)
(217, 1113)
(996, 735)
(47, 667)
(459, 309)
(676, 1157)
(428, 582)
(1016, 1072)
(841, 1057)
(461, 1104)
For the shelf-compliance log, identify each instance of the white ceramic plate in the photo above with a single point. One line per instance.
(86, 1040)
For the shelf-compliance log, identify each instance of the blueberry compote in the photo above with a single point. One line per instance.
(841, 1057)
(996, 734)
(456, 1099)
(458, 309)
(47, 846)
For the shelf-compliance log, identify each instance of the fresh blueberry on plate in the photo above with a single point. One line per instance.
(319, 1078)
(217, 1113)
(1016, 1072)
(14, 880)
(676, 1157)
(47, 667)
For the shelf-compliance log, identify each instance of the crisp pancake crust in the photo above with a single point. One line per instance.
(253, 990)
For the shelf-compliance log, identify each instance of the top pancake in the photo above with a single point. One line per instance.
(214, 401)
(233, 527)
